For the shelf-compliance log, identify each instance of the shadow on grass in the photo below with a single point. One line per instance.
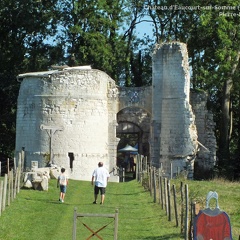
(123, 194)
(128, 179)
(126, 194)
(66, 202)
(44, 200)
(165, 237)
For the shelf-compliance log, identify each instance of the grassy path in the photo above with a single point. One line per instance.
(39, 215)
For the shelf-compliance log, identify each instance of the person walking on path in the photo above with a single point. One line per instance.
(62, 182)
(101, 177)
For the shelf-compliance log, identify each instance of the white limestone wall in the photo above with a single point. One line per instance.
(173, 128)
(67, 112)
(206, 157)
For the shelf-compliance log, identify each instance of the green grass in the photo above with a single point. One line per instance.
(39, 215)
(228, 199)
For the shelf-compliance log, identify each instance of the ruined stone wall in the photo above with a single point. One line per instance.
(135, 97)
(142, 119)
(76, 108)
(174, 134)
(206, 156)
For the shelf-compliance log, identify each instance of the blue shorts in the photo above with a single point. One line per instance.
(101, 189)
(63, 188)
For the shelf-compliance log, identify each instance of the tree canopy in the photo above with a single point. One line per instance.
(36, 34)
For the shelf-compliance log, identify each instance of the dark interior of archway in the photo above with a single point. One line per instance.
(128, 133)
(131, 139)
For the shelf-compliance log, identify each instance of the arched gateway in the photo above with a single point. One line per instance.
(71, 117)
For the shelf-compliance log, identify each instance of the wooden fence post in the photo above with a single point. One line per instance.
(1, 196)
(9, 188)
(186, 212)
(22, 159)
(19, 159)
(175, 205)
(192, 216)
(136, 168)
(166, 195)
(15, 184)
(161, 187)
(4, 192)
(154, 186)
(169, 201)
(139, 168)
(12, 184)
(19, 175)
(150, 179)
(182, 208)
(116, 225)
(74, 233)
(14, 164)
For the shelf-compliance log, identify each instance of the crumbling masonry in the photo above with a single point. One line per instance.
(71, 117)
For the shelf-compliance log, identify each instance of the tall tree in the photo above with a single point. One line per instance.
(211, 31)
(220, 59)
(90, 33)
(25, 24)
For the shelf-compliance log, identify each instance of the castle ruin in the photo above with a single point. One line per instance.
(71, 117)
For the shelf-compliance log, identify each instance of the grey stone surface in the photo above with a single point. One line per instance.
(37, 179)
(69, 117)
(174, 128)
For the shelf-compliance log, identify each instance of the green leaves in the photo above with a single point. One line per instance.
(35, 34)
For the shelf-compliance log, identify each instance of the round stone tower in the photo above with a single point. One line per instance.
(67, 118)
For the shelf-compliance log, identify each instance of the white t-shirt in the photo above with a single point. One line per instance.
(100, 175)
(62, 179)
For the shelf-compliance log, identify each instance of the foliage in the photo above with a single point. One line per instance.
(36, 34)
(212, 36)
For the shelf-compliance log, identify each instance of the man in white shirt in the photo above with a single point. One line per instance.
(101, 176)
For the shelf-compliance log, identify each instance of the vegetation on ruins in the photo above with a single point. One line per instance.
(36, 34)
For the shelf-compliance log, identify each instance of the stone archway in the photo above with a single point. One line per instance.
(133, 128)
(133, 120)
(88, 106)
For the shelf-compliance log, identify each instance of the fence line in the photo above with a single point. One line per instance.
(10, 185)
(1, 193)
(162, 192)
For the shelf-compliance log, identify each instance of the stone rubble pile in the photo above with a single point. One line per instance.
(38, 178)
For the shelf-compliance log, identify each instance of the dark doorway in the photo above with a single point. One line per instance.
(71, 158)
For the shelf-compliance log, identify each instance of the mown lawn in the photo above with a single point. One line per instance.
(39, 215)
